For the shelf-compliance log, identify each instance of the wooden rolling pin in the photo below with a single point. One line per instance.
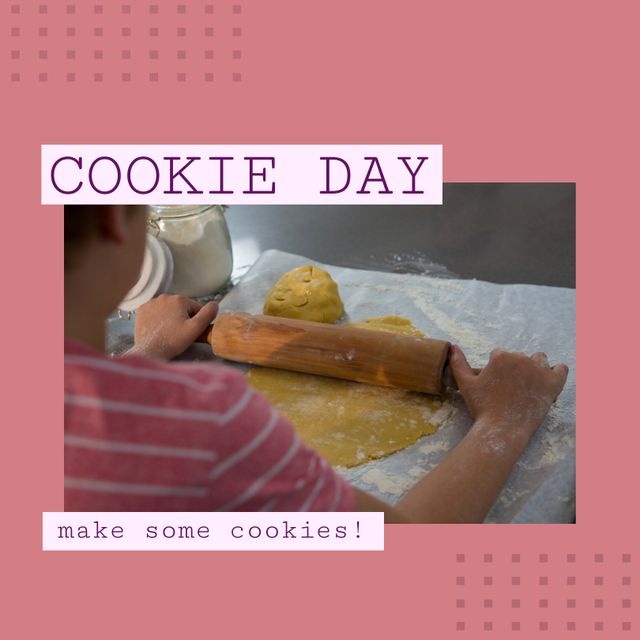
(363, 355)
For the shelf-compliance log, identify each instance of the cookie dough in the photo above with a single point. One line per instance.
(394, 324)
(348, 422)
(305, 293)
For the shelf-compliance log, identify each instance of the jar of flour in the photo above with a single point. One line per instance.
(199, 242)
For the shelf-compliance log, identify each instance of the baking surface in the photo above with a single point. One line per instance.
(478, 316)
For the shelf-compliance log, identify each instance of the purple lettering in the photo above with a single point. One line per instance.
(222, 159)
(180, 172)
(78, 162)
(99, 530)
(374, 163)
(261, 174)
(413, 173)
(130, 169)
(118, 173)
(328, 160)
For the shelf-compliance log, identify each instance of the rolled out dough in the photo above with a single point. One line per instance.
(348, 422)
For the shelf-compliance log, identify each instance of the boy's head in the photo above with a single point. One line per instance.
(103, 249)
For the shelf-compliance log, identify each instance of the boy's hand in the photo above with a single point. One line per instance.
(513, 391)
(167, 325)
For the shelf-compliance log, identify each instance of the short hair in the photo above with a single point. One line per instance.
(81, 223)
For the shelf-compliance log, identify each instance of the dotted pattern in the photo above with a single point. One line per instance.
(102, 42)
(543, 592)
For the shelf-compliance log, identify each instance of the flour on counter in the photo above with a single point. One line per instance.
(386, 483)
(471, 342)
(432, 448)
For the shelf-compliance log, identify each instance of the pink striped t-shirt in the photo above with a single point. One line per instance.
(145, 435)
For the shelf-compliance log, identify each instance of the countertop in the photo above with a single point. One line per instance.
(503, 233)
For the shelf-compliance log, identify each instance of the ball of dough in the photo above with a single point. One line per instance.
(305, 293)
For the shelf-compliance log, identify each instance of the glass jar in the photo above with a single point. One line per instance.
(198, 238)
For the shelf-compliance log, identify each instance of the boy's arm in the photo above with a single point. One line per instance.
(168, 325)
(509, 400)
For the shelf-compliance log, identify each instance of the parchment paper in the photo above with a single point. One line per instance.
(478, 316)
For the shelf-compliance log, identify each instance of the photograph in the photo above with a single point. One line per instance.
(415, 360)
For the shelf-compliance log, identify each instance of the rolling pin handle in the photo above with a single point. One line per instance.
(448, 379)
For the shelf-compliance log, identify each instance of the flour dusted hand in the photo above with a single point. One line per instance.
(509, 399)
(513, 391)
(166, 326)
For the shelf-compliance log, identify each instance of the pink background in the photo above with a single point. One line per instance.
(545, 93)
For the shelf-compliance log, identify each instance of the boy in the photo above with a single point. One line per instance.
(143, 434)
